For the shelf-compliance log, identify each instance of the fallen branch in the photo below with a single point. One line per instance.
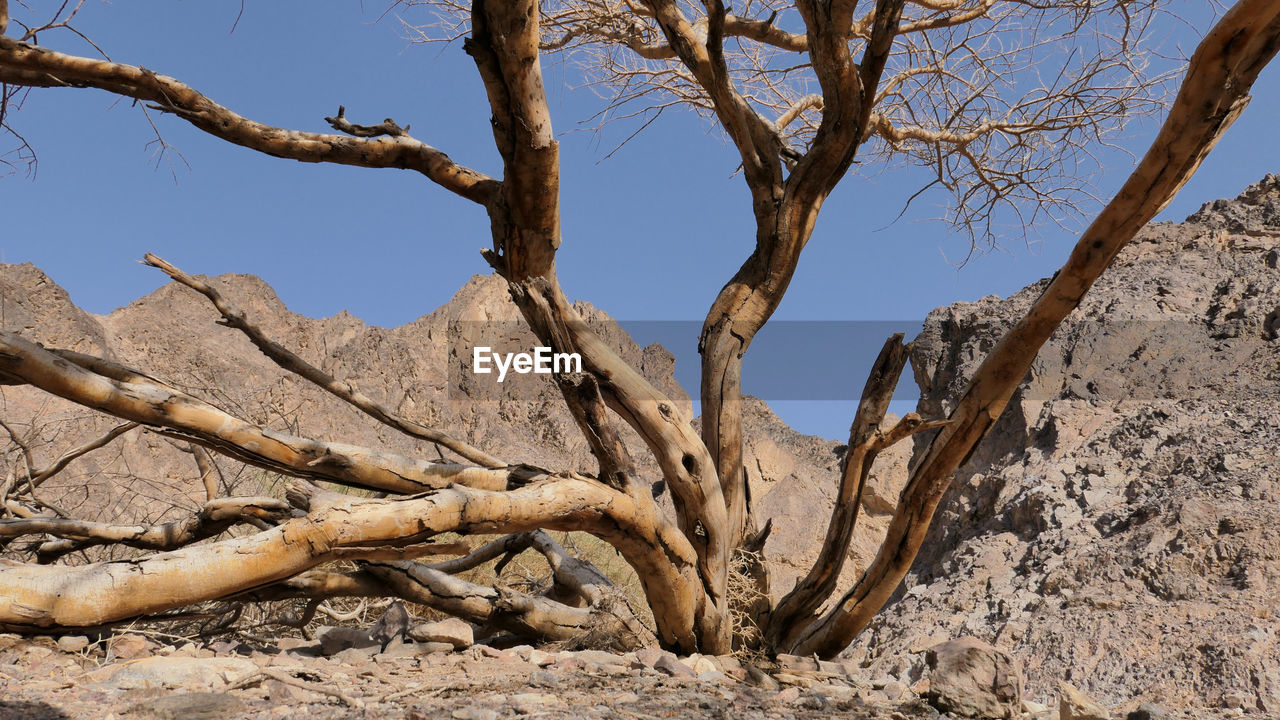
(131, 395)
(345, 391)
(215, 517)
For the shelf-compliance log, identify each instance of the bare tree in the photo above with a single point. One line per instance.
(798, 88)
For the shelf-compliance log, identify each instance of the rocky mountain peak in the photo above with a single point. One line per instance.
(1254, 211)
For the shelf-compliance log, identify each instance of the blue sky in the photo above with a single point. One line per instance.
(665, 215)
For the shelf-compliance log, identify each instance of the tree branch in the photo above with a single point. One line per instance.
(129, 395)
(345, 391)
(214, 518)
(38, 477)
(31, 66)
(33, 596)
(797, 608)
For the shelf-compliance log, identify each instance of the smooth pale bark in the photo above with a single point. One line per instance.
(1213, 94)
(130, 395)
(341, 527)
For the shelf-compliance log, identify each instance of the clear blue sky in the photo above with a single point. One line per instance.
(649, 234)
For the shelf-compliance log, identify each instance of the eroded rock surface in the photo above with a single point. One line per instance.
(1117, 530)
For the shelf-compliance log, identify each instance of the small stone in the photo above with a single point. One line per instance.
(712, 676)
(1075, 705)
(1033, 707)
(484, 651)
(568, 662)
(543, 679)
(796, 662)
(894, 690)
(529, 703)
(72, 643)
(1148, 711)
(474, 714)
(703, 665)
(731, 666)
(334, 640)
(971, 678)
(760, 678)
(812, 700)
(540, 658)
(599, 656)
(1237, 700)
(454, 631)
(787, 696)
(128, 647)
(161, 672)
(187, 650)
(627, 697)
(673, 667)
(356, 655)
(648, 657)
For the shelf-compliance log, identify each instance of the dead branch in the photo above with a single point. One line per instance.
(797, 608)
(345, 391)
(210, 476)
(386, 127)
(213, 519)
(286, 675)
(338, 526)
(31, 66)
(130, 395)
(38, 477)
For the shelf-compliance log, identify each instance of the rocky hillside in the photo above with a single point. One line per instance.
(1118, 529)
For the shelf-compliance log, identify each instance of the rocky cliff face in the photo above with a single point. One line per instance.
(1118, 528)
